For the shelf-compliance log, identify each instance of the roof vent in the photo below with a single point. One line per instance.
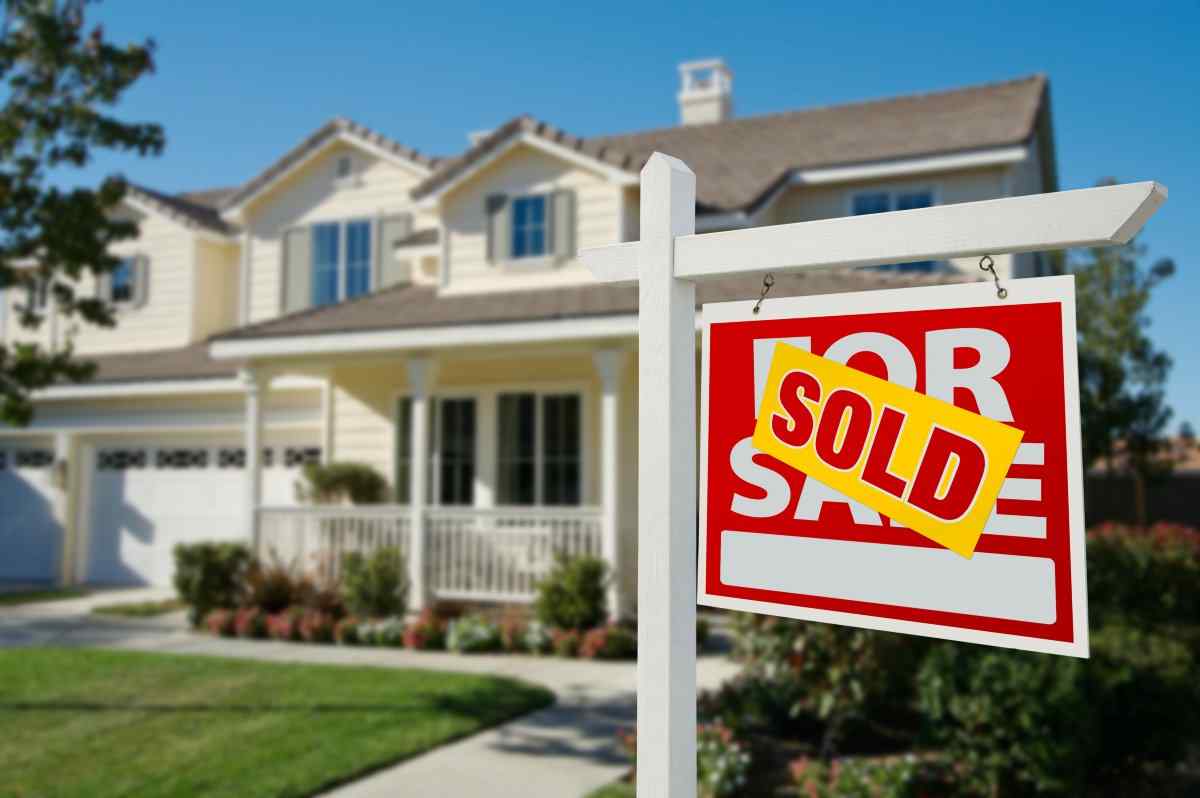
(476, 136)
(705, 92)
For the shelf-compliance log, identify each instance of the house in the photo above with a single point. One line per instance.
(361, 301)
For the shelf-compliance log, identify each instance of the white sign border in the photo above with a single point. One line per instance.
(1059, 290)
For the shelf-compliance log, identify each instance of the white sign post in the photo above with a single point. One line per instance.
(666, 262)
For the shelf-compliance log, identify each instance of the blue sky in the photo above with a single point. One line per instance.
(238, 83)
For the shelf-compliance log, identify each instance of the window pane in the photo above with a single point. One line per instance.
(325, 264)
(121, 280)
(529, 226)
(914, 199)
(873, 202)
(517, 436)
(403, 450)
(561, 460)
(358, 258)
(457, 451)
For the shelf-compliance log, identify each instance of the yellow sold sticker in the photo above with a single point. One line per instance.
(925, 463)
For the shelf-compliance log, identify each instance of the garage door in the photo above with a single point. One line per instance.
(145, 499)
(30, 538)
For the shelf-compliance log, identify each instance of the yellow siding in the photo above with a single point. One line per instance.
(216, 292)
(806, 203)
(162, 323)
(524, 170)
(312, 195)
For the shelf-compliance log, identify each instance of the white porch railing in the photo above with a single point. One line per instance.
(315, 538)
(470, 554)
(500, 554)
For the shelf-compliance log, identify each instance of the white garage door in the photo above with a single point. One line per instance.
(30, 538)
(145, 499)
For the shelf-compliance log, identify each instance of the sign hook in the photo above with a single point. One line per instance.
(768, 281)
(988, 265)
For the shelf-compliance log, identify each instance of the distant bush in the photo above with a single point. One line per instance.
(346, 631)
(250, 623)
(316, 627)
(375, 585)
(209, 575)
(220, 622)
(609, 642)
(907, 776)
(284, 625)
(473, 634)
(1148, 576)
(565, 642)
(273, 587)
(513, 631)
(573, 595)
(330, 483)
(426, 633)
(537, 638)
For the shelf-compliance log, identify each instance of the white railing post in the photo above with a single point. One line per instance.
(253, 441)
(608, 365)
(420, 378)
(666, 707)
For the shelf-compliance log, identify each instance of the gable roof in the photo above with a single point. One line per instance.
(334, 128)
(190, 210)
(739, 161)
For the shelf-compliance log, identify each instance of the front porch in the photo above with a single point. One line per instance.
(528, 454)
(458, 554)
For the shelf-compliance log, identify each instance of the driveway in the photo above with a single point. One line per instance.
(568, 749)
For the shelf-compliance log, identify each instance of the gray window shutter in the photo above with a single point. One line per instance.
(499, 228)
(562, 230)
(297, 269)
(141, 281)
(104, 287)
(393, 267)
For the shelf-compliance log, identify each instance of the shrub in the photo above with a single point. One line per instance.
(316, 627)
(722, 762)
(250, 623)
(565, 642)
(473, 634)
(537, 638)
(375, 585)
(907, 776)
(220, 622)
(703, 632)
(284, 625)
(330, 483)
(513, 632)
(609, 642)
(426, 633)
(573, 594)
(273, 587)
(346, 631)
(1144, 576)
(208, 575)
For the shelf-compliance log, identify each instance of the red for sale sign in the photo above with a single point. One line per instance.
(950, 498)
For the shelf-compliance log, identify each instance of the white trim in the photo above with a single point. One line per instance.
(168, 388)
(556, 330)
(619, 176)
(1084, 217)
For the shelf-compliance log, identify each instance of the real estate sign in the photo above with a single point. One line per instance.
(905, 460)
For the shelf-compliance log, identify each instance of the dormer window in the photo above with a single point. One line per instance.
(529, 227)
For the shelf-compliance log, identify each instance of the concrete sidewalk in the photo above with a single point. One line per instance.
(566, 750)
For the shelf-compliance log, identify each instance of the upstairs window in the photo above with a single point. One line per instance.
(529, 227)
(121, 281)
(867, 202)
(341, 261)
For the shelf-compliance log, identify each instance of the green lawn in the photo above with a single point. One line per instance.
(619, 790)
(47, 594)
(140, 609)
(106, 723)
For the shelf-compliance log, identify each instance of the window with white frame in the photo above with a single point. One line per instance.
(450, 470)
(341, 261)
(529, 239)
(539, 452)
(882, 201)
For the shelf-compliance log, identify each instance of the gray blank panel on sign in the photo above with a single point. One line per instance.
(991, 585)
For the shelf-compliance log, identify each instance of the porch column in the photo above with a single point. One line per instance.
(252, 384)
(608, 365)
(65, 478)
(420, 380)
